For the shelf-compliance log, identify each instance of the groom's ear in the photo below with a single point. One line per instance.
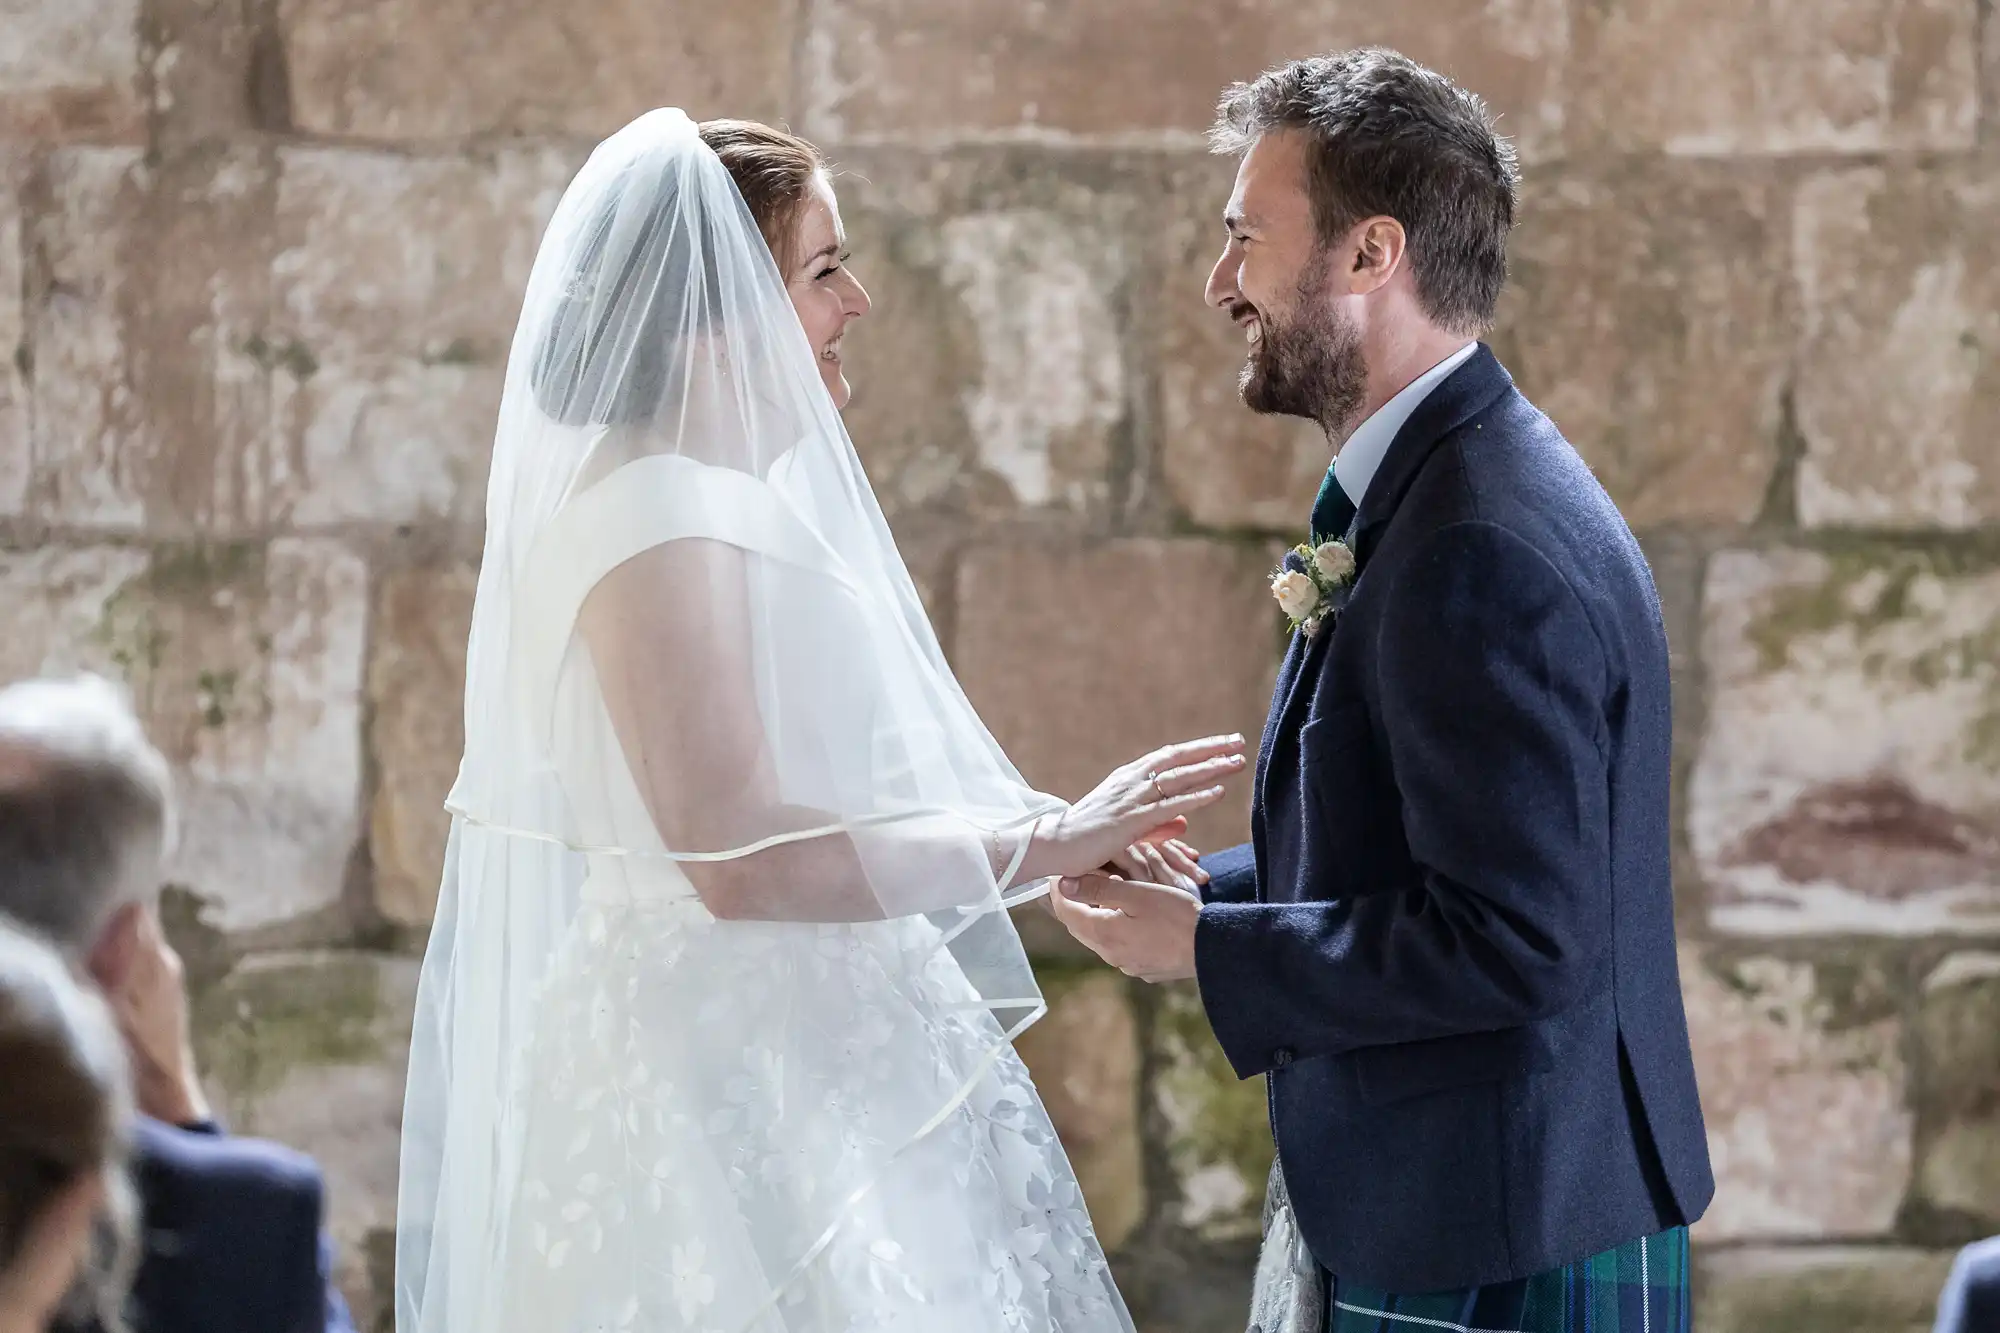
(1375, 253)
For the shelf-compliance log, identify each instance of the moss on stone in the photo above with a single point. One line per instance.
(149, 624)
(217, 694)
(1841, 598)
(290, 355)
(1216, 1119)
(1853, 990)
(262, 1022)
(203, 568)
(1867, 588)
(1958, 1029)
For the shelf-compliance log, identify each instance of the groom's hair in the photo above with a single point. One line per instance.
(1388, 137)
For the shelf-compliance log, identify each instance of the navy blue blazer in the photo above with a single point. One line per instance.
(1450, 942)
(233, 1240)
(1970, 1302)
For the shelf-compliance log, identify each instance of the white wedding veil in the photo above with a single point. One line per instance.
(697, 664)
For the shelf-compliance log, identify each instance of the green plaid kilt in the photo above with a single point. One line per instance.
(1640, 1287)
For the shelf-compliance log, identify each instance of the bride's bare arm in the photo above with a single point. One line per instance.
(670, 636)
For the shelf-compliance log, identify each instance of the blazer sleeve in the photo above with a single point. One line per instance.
(242, 1225)
(1232, 875)
(1493, 684)
(1970, 1300)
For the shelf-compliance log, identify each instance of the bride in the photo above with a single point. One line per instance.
(714, 1027)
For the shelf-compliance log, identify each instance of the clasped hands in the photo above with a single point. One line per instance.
(1129, 888)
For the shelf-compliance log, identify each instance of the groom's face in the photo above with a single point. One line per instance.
(1304, 358)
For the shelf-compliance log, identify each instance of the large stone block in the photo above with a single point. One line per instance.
(1218, 1127)
(925, 70)
(1647, 315)
(1224, 466)
(1077, 659)
(425, 70)
(1084, 1056)
(1802, 1088)
(1849, 778)
(1713, 77)
(1899, 371)
(150, 393)
(70, 69)
(1818, 1289)
(246, 665)
(416, 731)
(237, 340)
(395, 290)
(310, 1050)
(1958, 1103)
(993, 374)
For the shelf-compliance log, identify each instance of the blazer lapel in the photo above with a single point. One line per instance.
(1281, 696)
(1464, 393)
(1310, 651)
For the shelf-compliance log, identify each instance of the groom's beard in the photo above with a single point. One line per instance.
(1313, 368)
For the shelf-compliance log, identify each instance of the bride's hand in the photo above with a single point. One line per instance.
(1164, 863)
(1139, 802)
(1168, 861)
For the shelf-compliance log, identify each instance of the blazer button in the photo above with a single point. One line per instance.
(1281, 1057)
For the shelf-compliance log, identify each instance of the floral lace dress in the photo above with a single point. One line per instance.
(734, 1126)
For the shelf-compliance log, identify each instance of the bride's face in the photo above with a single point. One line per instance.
(827, 296)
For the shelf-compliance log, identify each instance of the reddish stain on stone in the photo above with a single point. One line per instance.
(1876, 836)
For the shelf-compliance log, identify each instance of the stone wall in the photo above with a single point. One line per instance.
(259, 261)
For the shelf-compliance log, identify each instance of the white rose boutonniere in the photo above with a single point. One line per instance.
(1297, 594)
(1311, 585)
(1334, 562)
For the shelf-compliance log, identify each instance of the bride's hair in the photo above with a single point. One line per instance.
(772, 170)
(575, 379)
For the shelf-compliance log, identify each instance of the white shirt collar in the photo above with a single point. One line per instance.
(1365, 449)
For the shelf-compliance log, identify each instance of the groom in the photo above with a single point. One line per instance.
(1450, 943)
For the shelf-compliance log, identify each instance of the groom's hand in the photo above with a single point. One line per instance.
(1143, 930)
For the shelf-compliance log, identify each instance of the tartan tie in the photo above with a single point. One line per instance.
(1333, 512)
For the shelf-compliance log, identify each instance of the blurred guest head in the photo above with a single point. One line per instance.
(66, 1212)
(85, 818)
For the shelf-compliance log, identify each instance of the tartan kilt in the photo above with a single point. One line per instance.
(1640, 1287)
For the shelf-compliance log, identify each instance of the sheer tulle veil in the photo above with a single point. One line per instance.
(662, 404)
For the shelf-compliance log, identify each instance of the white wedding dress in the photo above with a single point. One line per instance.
(663, 1185)
(625, 1113)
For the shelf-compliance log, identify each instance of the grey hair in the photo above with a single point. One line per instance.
(86, 807)
(1388, 137)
